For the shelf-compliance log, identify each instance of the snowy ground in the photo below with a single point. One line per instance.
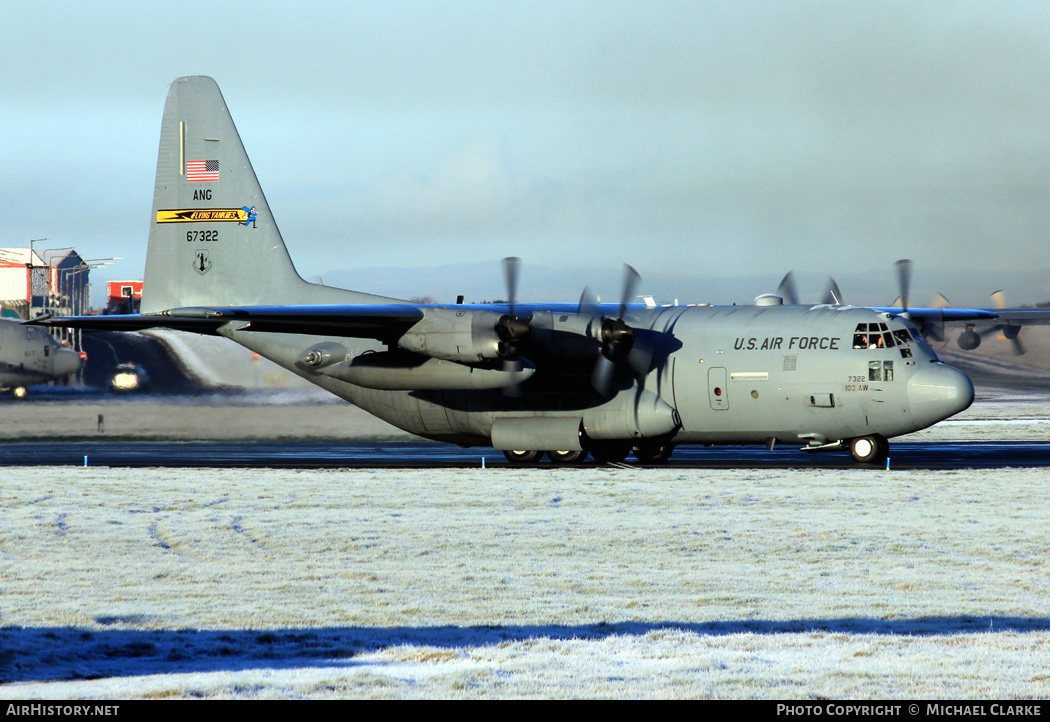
(506, 582)
(554, 582)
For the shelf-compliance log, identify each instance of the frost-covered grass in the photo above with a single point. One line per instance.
(537, 583)
(1016, 417)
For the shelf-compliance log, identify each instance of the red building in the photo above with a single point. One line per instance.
(123, 296)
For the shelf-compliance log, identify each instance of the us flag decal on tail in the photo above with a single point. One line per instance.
(202, 170)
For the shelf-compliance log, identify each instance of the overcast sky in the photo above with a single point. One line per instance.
(714, 139)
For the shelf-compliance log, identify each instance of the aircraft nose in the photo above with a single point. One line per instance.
(67, 362)
(937, 392)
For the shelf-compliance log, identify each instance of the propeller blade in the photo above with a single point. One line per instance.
(1010, 332)
(787, 289)
(640, 358)
(934, 327)
(511, 272)
(999, 299)
(941, 301)
(512, 365)
(904, 280)
(631, 279)
(588, 305)
(833, 296)
(602, 376)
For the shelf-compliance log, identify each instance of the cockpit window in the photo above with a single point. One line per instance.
(872, 335)
(879, 336)
(860, 336)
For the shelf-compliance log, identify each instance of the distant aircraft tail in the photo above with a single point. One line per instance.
(213, 240)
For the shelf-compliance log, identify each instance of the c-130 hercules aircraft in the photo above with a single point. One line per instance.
(563, 380)
(31, 356)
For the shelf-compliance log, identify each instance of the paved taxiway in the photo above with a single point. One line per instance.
(1008, 426)
(400, 454)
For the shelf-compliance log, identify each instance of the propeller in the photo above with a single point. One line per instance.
(619, 340)
(931, 326)
(510, 328)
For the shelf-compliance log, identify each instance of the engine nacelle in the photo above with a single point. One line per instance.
(567, 335)
(453, 334)
(401, 371)
(969, 340)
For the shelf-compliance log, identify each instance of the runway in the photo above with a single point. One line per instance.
(407, 454)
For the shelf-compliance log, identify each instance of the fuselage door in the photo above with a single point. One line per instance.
(717, 388)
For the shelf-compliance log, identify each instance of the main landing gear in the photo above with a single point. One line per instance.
(603, 452)
(566, 457)
(523, 457)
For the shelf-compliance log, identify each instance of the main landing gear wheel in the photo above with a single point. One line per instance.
(523, 457)
(869, 449)
(566, 457)
(653, 453)
(609, 452)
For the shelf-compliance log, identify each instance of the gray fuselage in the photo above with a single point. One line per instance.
(718, 375)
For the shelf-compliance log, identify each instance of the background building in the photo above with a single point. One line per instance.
(22, 272)
(123, 296)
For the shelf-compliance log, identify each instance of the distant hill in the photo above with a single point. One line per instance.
(872, 284)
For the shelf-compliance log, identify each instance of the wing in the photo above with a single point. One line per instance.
(381, 322)
(464, 334)
(946, 315)
(1023, 316)
(378, 321)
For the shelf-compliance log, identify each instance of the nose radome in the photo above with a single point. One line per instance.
(67, 362)
(937, 392)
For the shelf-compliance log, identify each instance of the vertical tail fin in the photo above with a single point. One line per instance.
(213, 240)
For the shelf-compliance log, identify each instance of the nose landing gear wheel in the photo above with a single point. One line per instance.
(869, 449)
